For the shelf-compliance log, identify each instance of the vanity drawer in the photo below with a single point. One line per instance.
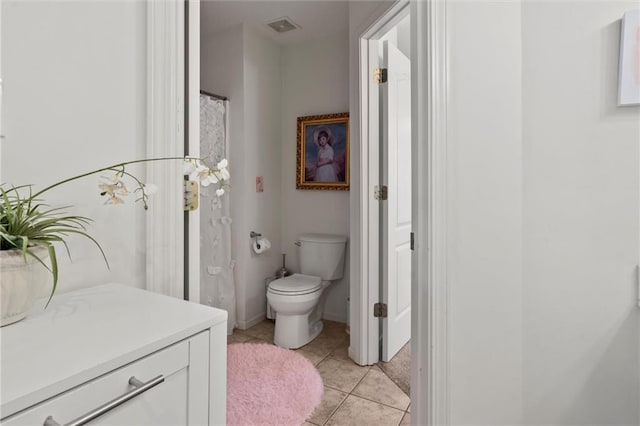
(162, 404)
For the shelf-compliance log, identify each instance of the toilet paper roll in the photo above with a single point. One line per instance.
(260, 245)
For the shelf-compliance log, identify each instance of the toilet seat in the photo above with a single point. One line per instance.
(296, 285)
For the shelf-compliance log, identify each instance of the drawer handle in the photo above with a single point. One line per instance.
(140, 387)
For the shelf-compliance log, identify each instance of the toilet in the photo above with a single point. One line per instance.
(298, 300)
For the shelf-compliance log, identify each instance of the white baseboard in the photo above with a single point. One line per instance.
(331, 316)
(243, 325)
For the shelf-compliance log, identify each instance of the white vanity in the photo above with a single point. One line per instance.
(115, 355)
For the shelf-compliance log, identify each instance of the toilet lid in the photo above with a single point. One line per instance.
(296, 284)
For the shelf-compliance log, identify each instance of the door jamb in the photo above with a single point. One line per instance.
(166, 121)
(192, 144)
(165, 125)
(430, 187)
(429, 292)
(366, 330)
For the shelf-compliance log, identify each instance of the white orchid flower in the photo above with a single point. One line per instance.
(114, 200)
(107, 189)
(121, 189)
(112, 189)
(212, 178)
(114, 178)
(196, 170)
(189, 166)
(225, 174)
(199, 173)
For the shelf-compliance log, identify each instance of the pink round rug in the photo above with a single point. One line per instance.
(268, 385)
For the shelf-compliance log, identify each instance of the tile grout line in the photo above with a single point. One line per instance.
(347, 396)
(390, 378)
(336, 409)
(382, 403)
(404, 411)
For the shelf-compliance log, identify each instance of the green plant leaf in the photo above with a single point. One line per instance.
(54, 270)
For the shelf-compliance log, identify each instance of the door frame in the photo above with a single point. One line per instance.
(165, 138)
(173, 128)
(429, 289)
(430, 189)
(192, 144)
(365, 329)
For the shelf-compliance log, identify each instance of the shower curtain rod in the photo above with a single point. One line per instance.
(213, 95)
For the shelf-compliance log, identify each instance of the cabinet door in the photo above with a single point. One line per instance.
(167, 403)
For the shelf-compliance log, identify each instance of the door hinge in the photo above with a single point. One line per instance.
(190, 195)
(380, 310)
(412, 241)
(380, 75)
(380, 193)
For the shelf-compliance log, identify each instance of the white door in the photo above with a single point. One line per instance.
(396, 211)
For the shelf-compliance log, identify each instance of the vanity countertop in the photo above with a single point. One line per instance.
(86, 333)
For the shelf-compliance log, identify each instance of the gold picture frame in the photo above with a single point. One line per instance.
(323, 152)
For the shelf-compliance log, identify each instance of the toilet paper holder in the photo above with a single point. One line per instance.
(260, 244)
(255, 235)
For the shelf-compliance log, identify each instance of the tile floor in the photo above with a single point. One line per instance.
(353, 395)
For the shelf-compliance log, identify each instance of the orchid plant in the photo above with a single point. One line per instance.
(25, 221)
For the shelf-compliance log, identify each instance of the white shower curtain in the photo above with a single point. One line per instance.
(217, 283)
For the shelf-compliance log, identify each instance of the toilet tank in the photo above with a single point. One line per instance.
(322, 255)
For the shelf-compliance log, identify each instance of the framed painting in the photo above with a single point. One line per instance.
(323, 152)
(629, 67)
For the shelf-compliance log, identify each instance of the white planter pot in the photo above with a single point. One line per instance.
(21, 283)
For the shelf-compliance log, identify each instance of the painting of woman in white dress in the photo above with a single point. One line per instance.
(323, 152)
(325, 168)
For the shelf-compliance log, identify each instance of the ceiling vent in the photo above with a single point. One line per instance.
(282, 25)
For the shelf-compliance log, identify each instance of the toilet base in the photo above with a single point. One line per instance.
(294, 331)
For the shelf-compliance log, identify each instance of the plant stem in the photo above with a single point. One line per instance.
(109, 168)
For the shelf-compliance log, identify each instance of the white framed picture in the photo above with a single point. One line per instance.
(629, 70)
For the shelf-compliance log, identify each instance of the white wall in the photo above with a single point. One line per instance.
(485, 212)
(544, 196)
(245, 67)
(262, 82)
(315, 80)
(581, 197)
(74, 77)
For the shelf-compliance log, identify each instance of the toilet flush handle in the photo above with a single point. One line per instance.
(298, 243)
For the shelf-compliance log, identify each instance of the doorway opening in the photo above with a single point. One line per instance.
(382, 334)
(429, 320)
(428, 239)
